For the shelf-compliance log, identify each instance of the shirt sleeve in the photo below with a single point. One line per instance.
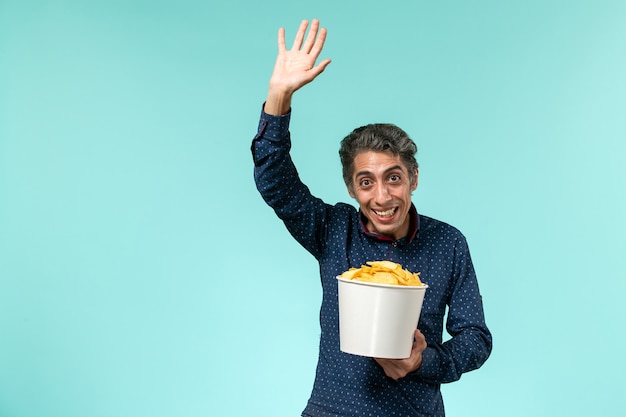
(471, 341)
(279, 184)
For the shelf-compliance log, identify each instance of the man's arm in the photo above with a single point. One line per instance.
(295, 67)
(275, 174)
(471, 341)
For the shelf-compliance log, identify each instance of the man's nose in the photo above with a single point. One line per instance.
(382, 194)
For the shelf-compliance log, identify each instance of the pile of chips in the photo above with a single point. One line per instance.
(383, 272)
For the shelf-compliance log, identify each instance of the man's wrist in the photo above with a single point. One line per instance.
(278, 102)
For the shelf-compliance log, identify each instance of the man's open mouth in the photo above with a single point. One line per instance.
(386, 213)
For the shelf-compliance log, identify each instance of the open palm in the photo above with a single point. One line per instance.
(296, 67)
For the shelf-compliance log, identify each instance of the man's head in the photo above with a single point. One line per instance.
(380, 171)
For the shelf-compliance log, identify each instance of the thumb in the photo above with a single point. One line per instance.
(319, 68)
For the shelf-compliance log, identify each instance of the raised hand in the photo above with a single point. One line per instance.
(295, 67)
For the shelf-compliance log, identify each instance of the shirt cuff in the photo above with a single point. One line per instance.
(430, 364)
(273, 128)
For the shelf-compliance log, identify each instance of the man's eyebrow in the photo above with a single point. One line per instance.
(369, 173)
(395, 168)
(363, 174)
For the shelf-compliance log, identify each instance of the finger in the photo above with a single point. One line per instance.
(281, 40)
(311, 37)
(319, 43)
(319, 68)
(297, 42)
(420, 341)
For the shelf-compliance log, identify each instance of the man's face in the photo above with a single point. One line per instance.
(382, 187)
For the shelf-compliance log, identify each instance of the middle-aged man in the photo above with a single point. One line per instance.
(380, 172)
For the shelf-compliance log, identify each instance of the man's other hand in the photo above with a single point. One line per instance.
(399, 368)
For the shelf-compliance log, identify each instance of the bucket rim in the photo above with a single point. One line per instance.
(375, 284)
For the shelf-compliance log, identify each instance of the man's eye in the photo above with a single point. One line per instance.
(365, 183)
(394, 178)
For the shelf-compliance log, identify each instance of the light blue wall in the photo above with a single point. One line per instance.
(142, 275)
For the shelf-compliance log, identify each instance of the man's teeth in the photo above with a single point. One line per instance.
(385, 213)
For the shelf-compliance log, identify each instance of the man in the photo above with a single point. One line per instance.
(380, 172)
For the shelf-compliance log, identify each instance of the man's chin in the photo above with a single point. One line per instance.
(385, 230)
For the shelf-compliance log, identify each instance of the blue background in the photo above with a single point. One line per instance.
(142, 275)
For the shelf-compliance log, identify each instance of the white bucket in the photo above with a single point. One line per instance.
(378, 320)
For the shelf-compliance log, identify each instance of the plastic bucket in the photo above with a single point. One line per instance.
(378, 320)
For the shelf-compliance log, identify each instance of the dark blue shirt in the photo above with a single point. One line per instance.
(351, 385)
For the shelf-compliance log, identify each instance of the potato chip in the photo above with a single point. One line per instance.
(383, 272)
(384, 265)
(349, 274)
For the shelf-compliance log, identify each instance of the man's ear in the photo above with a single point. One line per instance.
(350, 191)
(414, 182)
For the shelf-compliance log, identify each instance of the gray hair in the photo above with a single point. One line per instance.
(378, 137)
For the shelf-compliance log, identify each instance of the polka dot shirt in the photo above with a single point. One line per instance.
(351, 385)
